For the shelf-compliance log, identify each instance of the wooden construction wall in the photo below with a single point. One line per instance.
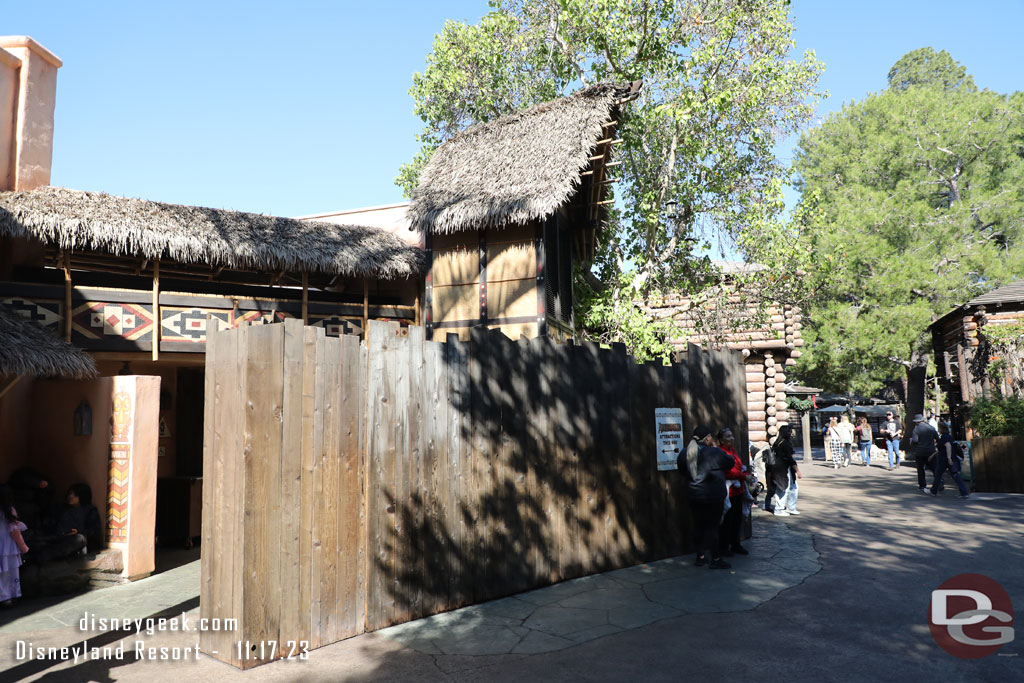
(351, 486)
(997, 464)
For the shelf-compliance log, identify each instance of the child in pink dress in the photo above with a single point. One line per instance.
(12, 545)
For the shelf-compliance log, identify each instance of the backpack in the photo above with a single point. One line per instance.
(958, 451)
(770, 460)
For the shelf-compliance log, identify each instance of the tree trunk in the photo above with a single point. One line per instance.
(917, 374)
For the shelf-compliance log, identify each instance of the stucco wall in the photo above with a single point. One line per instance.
(56, 451)
(15, 408)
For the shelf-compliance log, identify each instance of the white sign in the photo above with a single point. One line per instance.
(668, 428)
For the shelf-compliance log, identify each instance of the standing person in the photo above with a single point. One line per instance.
(704, 467)
(784, 474)
(924, 442)
(949, 457)
(12, 545)
(735, 478)
(846, 433)
(866, 438)
(893, 432)
(834, 443)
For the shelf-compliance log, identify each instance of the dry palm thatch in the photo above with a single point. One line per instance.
(28, 349)
(76, 220)
(515, 169)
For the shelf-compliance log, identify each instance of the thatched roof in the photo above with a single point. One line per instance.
(94, 221)
(28, 349)
(515, 169)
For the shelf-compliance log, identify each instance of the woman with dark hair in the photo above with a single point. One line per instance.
(704, 467)
(81, 517)
(735, 478)
(784, 474)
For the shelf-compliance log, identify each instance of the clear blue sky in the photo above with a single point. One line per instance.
(302, 107)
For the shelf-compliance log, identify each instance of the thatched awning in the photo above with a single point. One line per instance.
(515, 169)
(76, 220)
(28, 349)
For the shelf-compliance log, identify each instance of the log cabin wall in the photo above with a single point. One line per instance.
(768, 348)
(961, 359)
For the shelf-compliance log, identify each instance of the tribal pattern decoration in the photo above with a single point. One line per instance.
(45, 313)
(335, 326)
(189, 324)
(120, 454)
(95, 320)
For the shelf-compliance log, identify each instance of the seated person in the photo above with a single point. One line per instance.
(81, 518)
(32, 495)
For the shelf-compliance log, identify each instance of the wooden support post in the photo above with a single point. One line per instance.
(67, 296)
(805, 429)
(366, 304)
(8, 384)
(416, 320)
(305, 298)
(156, 309)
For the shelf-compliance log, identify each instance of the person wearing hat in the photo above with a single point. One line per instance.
(925, 444)
(703, 467)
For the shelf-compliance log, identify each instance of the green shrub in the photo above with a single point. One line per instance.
(998, 416)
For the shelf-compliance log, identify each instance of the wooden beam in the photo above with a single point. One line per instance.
(67, 296)
(9, 384)
(178, 359)
(366, 304)
(156, 309)
(305, 298)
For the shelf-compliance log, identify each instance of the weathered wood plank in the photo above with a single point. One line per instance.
(289, 553)
(434, 402)
(459, 459)
(380, 484)
(413, 531)
(262, 561)
(349, 512)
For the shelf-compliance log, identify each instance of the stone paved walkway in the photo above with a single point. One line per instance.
(573, 612)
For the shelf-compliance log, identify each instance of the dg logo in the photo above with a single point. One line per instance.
(971, 616)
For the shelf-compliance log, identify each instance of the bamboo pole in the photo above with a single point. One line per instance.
(305, 298)
(67, 296)
(156, 309)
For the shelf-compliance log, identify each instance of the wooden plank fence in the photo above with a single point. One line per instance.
(353, 485)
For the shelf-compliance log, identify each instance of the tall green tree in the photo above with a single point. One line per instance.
(720, 90)
(912, 203)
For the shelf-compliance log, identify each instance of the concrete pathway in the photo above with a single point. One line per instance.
(573, 612)
(839, 593)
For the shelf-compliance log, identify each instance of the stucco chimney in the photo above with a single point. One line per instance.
(28, 92)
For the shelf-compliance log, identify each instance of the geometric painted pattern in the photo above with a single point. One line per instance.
(117, 478)
(117, 500)
(335, 326)
(189, 324)
(260, 317)
(96, 320)
(46, 314)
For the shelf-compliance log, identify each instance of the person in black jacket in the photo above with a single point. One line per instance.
(704, 467)
(784, 474)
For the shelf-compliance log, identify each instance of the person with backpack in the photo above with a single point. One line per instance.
(703, 467)
(950, 456)
(925, 444)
